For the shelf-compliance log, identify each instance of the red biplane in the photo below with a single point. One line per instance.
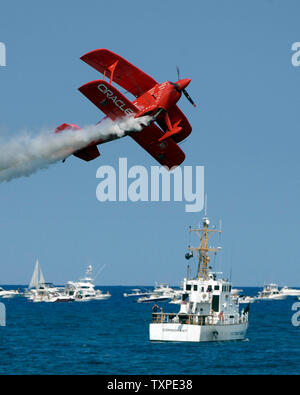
(154, 99)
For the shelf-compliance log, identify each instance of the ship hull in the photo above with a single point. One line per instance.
(196, 333)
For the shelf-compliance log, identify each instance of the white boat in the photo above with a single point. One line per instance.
(290, 291)
(137, 292)
(246, 299)
(5, 293)
(84, 289)
(48, 293)
(161, 293)
(270, 292)
(153, 298)
(208, 311)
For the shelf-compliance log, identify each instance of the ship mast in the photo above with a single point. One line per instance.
(203, 251)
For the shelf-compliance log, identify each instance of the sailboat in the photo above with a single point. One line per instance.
(37, 277)
(40, 291)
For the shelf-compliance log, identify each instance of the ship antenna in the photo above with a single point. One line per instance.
(231, 262)
(100, 270)
(204, 233)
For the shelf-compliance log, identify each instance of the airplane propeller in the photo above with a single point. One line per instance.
(184, 91)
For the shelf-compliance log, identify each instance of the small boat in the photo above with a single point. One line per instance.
(245, 299)
(48, 293)
(290, 291)
(153, 298)
(161, 293)
(5, 294)
(100, 295)
(137, 292)
(270, 292)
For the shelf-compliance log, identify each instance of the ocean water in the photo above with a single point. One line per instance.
(111, 337)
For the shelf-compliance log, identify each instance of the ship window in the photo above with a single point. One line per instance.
(230, 288)
(185, 296)
(195, 287)
(202, 289)
(217, 287)
(188, 287)
(209, 288)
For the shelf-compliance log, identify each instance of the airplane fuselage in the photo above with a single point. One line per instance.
(161, 96)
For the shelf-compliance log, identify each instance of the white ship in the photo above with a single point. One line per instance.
(84, 289)
(208, 312)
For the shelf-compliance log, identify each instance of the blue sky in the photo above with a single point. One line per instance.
(245, 133)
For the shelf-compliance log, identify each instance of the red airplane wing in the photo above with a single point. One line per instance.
(175, 115)
(167, 152)
(125, 74)
(108, 99)
(115, 105)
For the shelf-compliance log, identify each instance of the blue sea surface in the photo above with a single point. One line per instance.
(112, 337)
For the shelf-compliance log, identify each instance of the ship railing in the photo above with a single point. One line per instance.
(195, 319)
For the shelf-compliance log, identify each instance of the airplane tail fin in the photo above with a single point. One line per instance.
(88, 153)
(65, 126)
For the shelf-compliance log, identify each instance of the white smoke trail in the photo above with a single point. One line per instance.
(26, 154)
